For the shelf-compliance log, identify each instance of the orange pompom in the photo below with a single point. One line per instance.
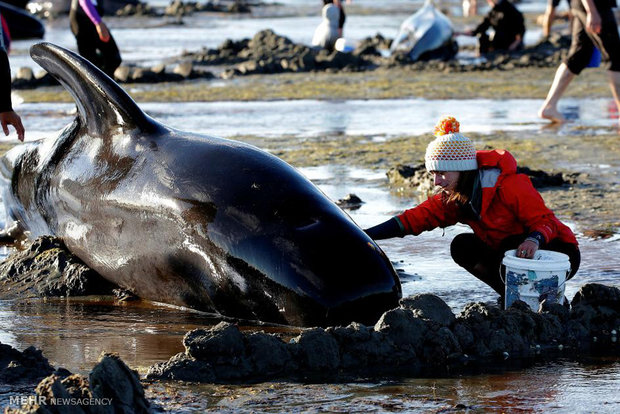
(446, 125)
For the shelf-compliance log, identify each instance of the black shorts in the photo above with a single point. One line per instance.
(583, 42)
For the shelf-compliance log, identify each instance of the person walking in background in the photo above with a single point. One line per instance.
(508, 24)
(594, 25)
(94, 40)
(7, 115)
(549, 17)
(483, 190)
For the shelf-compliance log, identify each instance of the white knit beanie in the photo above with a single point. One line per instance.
(450, 151)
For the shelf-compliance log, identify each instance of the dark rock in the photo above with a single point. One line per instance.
(27, 366)
(598, 295)
(438, 345)
(421, 336)
(361, 347)
(269, 355)
(182, 367)
(239, 6)
(223, 347)
(112, 387)
(428, 306)
(411, 177)
(223, 340)
(560, 311)
(48, 269)
(317, 351)
(541, 179)
(350, 201)
(402, 328)
(112, 379)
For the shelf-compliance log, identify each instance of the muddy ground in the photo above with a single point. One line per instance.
(592, 203)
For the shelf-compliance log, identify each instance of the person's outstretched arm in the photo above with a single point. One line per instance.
(386, 230)
(7, 115)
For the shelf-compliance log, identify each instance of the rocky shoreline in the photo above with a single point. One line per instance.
(421, 337)
(110, 387)
(270, 53)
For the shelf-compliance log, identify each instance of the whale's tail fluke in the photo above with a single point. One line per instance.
(103, 106)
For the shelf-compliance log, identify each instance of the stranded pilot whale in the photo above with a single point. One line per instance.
(191, 220)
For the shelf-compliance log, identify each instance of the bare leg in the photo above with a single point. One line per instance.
(614, 84)
(549, 110)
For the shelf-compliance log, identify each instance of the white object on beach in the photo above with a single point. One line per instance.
(537, 279)
(326, 33)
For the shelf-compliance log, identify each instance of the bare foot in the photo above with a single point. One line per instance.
(551, 114)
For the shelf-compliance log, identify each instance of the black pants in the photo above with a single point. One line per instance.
(484, 262)
(105, 56)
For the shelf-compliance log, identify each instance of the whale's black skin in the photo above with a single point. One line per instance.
(191, 220)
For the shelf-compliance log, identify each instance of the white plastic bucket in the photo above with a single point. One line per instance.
(537, 279)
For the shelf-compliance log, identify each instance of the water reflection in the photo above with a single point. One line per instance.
(558, 387)
(315, 119)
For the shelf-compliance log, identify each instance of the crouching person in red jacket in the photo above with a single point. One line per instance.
(483, 190)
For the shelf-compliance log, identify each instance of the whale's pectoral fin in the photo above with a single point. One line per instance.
(103, 105)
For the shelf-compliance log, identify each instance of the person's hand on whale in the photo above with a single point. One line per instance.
(11, 118)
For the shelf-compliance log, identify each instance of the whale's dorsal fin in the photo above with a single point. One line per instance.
(103, 106)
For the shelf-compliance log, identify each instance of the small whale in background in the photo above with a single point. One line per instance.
(191, 220)
(426, 34)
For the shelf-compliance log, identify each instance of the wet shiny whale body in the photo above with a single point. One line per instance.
(191, 220)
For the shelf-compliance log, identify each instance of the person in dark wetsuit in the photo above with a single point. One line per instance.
(594, 24)
(94, 40)
(508, 24)
(7, 115)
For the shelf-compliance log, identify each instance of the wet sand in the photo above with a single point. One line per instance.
(379, 84)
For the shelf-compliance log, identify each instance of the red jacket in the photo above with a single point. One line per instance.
(510, 206)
